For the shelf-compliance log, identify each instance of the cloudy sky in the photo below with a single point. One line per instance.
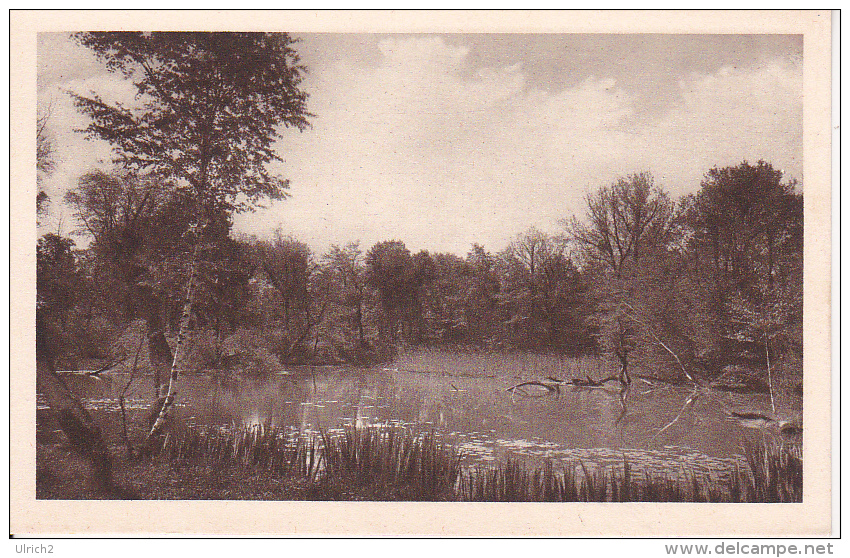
(446, 140)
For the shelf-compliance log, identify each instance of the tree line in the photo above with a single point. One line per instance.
(713, 278)
(697, 283)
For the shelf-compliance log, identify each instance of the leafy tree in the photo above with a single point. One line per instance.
(117, 209)
(623, 221)
(123, 215)
(423, 275)
(288, 266)
(628, 241)
(541, 293)
(443, 303)
(519, 296)
(563, 295)
(223, 292)
(209, 107)
(56, 277)
(480, 297)
(745, 219)
(746, 249)
(344, 270)
(390, 271)
(68, 304)
(208, 110)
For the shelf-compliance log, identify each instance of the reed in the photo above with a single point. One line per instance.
(256, 446)
(384, 462)
(775, 475)
(396, 463)
(470, 362)
(777, 472)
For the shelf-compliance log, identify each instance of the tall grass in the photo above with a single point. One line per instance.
(257, 446)
(385, 462)
(395, 463)
(774, 474)
(511, 481)
(482, 364)
(777, 472)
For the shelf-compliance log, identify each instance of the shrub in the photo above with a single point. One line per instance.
(254, 356)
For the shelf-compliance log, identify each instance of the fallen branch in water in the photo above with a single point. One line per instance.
(590, 382)
(109, 366)
(687, 404)
(553, 387)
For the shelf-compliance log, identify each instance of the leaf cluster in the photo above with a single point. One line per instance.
(208, 109)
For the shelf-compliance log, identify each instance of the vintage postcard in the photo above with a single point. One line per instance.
(421, 273)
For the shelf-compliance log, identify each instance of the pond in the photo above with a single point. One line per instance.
(478, 414)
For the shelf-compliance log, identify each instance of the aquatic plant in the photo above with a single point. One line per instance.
(393, 460)
(775, 475)
(777, 472)
(467, 362)
(259, 446)
(398, 463)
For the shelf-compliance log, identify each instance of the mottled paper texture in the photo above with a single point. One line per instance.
(45, 517)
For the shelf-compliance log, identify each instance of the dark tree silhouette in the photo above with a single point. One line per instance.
(208, 109)
(390, 272)
(747, 247)
(623, 221)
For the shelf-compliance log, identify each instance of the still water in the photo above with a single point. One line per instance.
(477, 414)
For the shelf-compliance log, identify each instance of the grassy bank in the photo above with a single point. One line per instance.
(481, 364)
(396, 464)
(774, 474)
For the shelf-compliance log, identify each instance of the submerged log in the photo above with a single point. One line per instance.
(553, 384)
(552, 387)
(590, 382)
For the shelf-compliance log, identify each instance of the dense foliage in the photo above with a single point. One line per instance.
(207, 111)
(714, 279)
(678, 286)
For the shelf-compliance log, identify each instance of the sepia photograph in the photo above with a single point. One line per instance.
(569, 262)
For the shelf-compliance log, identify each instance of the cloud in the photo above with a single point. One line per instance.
(419, 145)
(417, 149)
(422, 53)
(726, 117)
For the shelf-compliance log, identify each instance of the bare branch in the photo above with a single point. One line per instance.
(659, 341)
(687, 404)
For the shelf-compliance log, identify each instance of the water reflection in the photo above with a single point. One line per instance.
(639, 422)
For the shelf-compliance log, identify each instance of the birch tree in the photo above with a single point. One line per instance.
(208, 110)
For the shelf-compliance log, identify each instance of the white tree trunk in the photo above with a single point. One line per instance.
(769, 372)
(179, 351)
